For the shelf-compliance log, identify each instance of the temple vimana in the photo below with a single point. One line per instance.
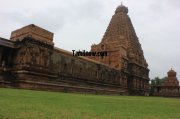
(170, 87)
(30, 60)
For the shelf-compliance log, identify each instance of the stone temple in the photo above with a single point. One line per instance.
(170, 87)
(30, 60)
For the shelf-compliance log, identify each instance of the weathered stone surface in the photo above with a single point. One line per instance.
(34, 31)
(124, 51)
(30, 60)
(169, 88)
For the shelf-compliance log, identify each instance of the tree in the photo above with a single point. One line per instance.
(158, 81)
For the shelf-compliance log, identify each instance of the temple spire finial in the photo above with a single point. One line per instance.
(121, 8)
(121, 3)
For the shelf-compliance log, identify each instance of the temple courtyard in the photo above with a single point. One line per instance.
(29, 104)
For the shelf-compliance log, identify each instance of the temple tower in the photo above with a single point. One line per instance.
(171, 79)
(124, 50)
(170, 87)
(32, 57)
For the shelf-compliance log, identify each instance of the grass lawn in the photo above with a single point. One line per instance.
(28, 104)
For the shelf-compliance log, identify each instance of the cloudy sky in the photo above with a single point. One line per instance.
(77, 24)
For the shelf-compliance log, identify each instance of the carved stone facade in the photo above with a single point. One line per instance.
(30, 60)
(124, 51)
(169, 88)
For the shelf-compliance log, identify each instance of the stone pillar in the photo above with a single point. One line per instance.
(9, 58)
(135, 83)
(1, 52)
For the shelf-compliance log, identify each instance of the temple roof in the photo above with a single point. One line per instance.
(34, 31)
(121, 8)
(6, 43)
(121, 30)
(171, 72)
(171, 79)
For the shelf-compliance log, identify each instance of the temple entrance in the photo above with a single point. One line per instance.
(6, 57)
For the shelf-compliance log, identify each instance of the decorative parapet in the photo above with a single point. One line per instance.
(33, 31)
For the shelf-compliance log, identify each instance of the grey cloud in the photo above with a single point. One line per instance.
(78, 24)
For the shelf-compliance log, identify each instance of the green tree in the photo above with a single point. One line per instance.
(158, 81)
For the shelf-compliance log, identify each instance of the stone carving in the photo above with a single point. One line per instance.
(121, 34)
(170, 86)
(33, 55)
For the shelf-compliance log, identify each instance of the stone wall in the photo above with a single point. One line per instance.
(41, 66)
(170, 87)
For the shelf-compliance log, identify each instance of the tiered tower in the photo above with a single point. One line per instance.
(124, 50)
(170, 87)
(171, 79)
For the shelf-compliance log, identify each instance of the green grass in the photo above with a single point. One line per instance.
(28, 104)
